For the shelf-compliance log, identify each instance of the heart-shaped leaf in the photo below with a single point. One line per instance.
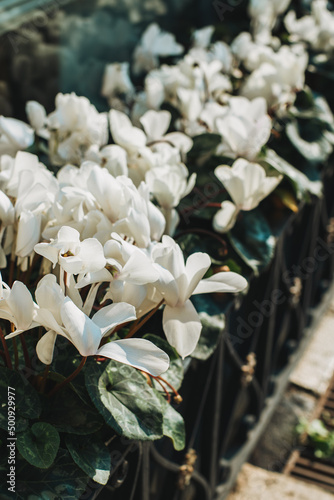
(212, 328)
(27, 401)
(39, 444)
(316, 149)
(252, 239)
(204, 144)
(302, 184)
(125, 400)
(63, 480)
(173, 426)
(67, 412)
(91, 455)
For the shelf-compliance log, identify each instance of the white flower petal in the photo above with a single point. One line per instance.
(139, 353)
(196, 266)
(45, 347)
(155, 123)
(182, 327)
(21, 303)
(84, 334)
(225, 218)
(222, 282)
(110, 316)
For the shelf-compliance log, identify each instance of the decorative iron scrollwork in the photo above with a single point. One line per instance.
(187, 469)
(248, 369)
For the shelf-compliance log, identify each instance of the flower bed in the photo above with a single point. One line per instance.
(121, 234)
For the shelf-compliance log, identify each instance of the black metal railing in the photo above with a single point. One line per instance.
(228, 400)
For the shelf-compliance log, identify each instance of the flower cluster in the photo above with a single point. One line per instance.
(92, 248)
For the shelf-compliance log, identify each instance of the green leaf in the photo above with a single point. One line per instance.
(173, 426)
(302, 184)
(215, 246)
(27, 401)
(174, 374)
(253, 240)
(317, 150)
(204, 144)
(125, 400)
(64, 480)
(310, 106)
(39, 444)
(68, 412)
(212, 327)
(91, 455)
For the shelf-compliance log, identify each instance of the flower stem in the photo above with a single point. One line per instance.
(31, 267)
(16, 354)
(137, 325)
(45, 376)
(25, 351)
(68, 379)
(164, 388)
(5, 348)
(177, 397)
(11, 272)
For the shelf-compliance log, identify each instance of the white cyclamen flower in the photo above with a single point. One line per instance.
(14, 136)
(264, 14)
(245, 128)
(71, 254)
(76, 125)
(154, 43)
(60, 316)
(178, 281)
(17, 306)
(247, 184)
(116, 80)
(317, 29)
(37, 118)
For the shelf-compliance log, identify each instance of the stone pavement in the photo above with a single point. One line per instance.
(260, 479)
(259, 484)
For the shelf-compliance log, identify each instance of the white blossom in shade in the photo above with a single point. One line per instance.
(156, 124)
(247, 184)
(244, 128)
(116, 80)
(226, 217)
(37, 118)
(15, 135)
(202, 37)
(114, 159)
(154, 94)
(316, 29)
(124, 133)
(7, 212)
(71, 254)
(75, 125)
(240, 46)
(128, 208)
(154, 43)
(222, 52)
(7, 218)
(28, 233)
(17, 306)
(264, 14)
(14, 167)
(169, 184)
(278, 76)
(178, 281)
(190, 103)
